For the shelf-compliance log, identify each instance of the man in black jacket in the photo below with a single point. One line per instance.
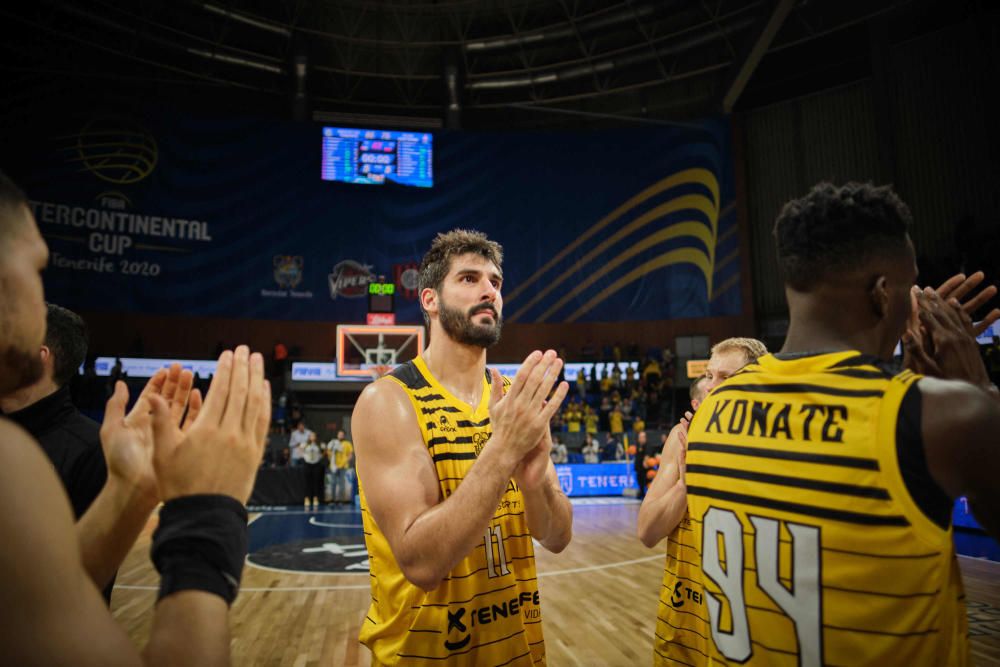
(70, 440)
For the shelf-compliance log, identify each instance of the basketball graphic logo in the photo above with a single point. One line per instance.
(116, 150)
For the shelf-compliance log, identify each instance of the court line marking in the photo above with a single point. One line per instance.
(286, 571)
(604, 566)
(574, 570)
(248, 589)
(313, 521)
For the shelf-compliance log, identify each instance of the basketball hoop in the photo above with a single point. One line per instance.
(379, 370)
(362, 348)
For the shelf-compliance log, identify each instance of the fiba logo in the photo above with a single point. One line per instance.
(116, 150)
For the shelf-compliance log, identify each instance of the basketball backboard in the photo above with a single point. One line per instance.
(361, 348)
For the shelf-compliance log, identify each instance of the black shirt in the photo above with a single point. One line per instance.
(71, 441)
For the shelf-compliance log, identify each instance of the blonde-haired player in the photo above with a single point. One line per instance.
(666, 501)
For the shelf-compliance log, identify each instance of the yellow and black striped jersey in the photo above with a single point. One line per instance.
(487, 610)
(809, 538)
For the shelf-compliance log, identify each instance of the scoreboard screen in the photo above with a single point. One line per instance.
(375, 157)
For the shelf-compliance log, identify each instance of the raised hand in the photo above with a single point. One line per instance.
(918, 349)
(218, 450)
(520, 418)
(959, 286)
(954, 354)
(127, 440)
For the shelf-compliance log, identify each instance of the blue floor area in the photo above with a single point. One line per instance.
(327, 541)
(332, 539)
(976, 544)
(290, 525)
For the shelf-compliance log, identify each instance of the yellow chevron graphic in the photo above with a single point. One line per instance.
(698, 202)
(695, 175)
(679, 256)
(690, 228)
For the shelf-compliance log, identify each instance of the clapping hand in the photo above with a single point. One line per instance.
(950, 334)
(219, 449)
(919, 354)
(521, 417)
(127, 440)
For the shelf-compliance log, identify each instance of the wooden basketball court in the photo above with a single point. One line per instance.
(599, 600)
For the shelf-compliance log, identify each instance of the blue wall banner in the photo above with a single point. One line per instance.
(596, 479)
(231, 218)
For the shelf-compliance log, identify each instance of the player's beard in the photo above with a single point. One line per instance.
(461, 329)
(21, 368)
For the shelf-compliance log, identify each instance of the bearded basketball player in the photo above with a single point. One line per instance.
(456, 479)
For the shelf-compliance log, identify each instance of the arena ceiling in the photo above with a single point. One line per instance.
(469, 63)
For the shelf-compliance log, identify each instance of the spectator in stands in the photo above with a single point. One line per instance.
(616, 421)
(629, 378)
(651, 371)
(44, 409)
(341, 456)
(639, 404)
(297, 440)
(312, 457)
(667, 359)
(574, 423)
(280, 409)
(294, 410)
(616, 377)
(559, 452)
(581, 385)
(594, 380)
(591, 450)
(638, 425)
(589, 421)
(612, 450)
(639, 463)
(605, 380)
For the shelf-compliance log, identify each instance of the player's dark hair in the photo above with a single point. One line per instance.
(833, 229)
(66, 337)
